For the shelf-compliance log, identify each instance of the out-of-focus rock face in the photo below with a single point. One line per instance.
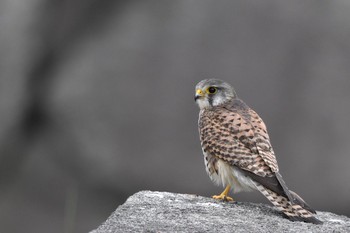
(96, 100)
(148, 211)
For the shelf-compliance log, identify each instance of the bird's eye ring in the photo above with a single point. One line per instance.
(212, 90)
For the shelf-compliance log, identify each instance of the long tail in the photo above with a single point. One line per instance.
(296, 211)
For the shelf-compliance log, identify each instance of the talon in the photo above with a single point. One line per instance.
(223, 196)
(227, 198)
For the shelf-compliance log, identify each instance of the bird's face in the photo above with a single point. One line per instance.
(213, 92)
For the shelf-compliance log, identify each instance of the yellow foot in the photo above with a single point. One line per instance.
(223, 196)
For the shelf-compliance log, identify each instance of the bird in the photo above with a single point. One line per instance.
(238, 153)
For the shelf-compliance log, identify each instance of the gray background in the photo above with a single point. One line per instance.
(96, 100)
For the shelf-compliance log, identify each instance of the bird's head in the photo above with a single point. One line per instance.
(213, 92)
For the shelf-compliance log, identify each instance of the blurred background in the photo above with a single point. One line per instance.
(96, 100)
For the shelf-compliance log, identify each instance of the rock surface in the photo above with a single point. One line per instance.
(148, 211)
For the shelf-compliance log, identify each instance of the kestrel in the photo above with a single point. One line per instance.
(237, 150)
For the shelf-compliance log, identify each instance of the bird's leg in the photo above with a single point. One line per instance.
(223, 196)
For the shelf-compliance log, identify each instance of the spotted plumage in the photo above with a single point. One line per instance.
(237, 150)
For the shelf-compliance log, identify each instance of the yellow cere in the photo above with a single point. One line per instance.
(199, 92)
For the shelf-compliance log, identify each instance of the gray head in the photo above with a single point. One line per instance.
(213, 92)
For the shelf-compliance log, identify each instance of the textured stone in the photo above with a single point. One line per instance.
(148, 211)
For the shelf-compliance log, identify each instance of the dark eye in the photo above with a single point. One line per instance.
(212, 90)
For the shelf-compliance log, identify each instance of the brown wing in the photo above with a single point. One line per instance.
(262, 141)
(238, 135)
(252, 132)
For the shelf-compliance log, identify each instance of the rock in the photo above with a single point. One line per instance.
(148, 211)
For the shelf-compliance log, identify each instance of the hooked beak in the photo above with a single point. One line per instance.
(199, 94)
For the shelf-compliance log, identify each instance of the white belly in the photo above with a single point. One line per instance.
(229, 175)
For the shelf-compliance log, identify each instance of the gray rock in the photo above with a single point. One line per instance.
(148, 211)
